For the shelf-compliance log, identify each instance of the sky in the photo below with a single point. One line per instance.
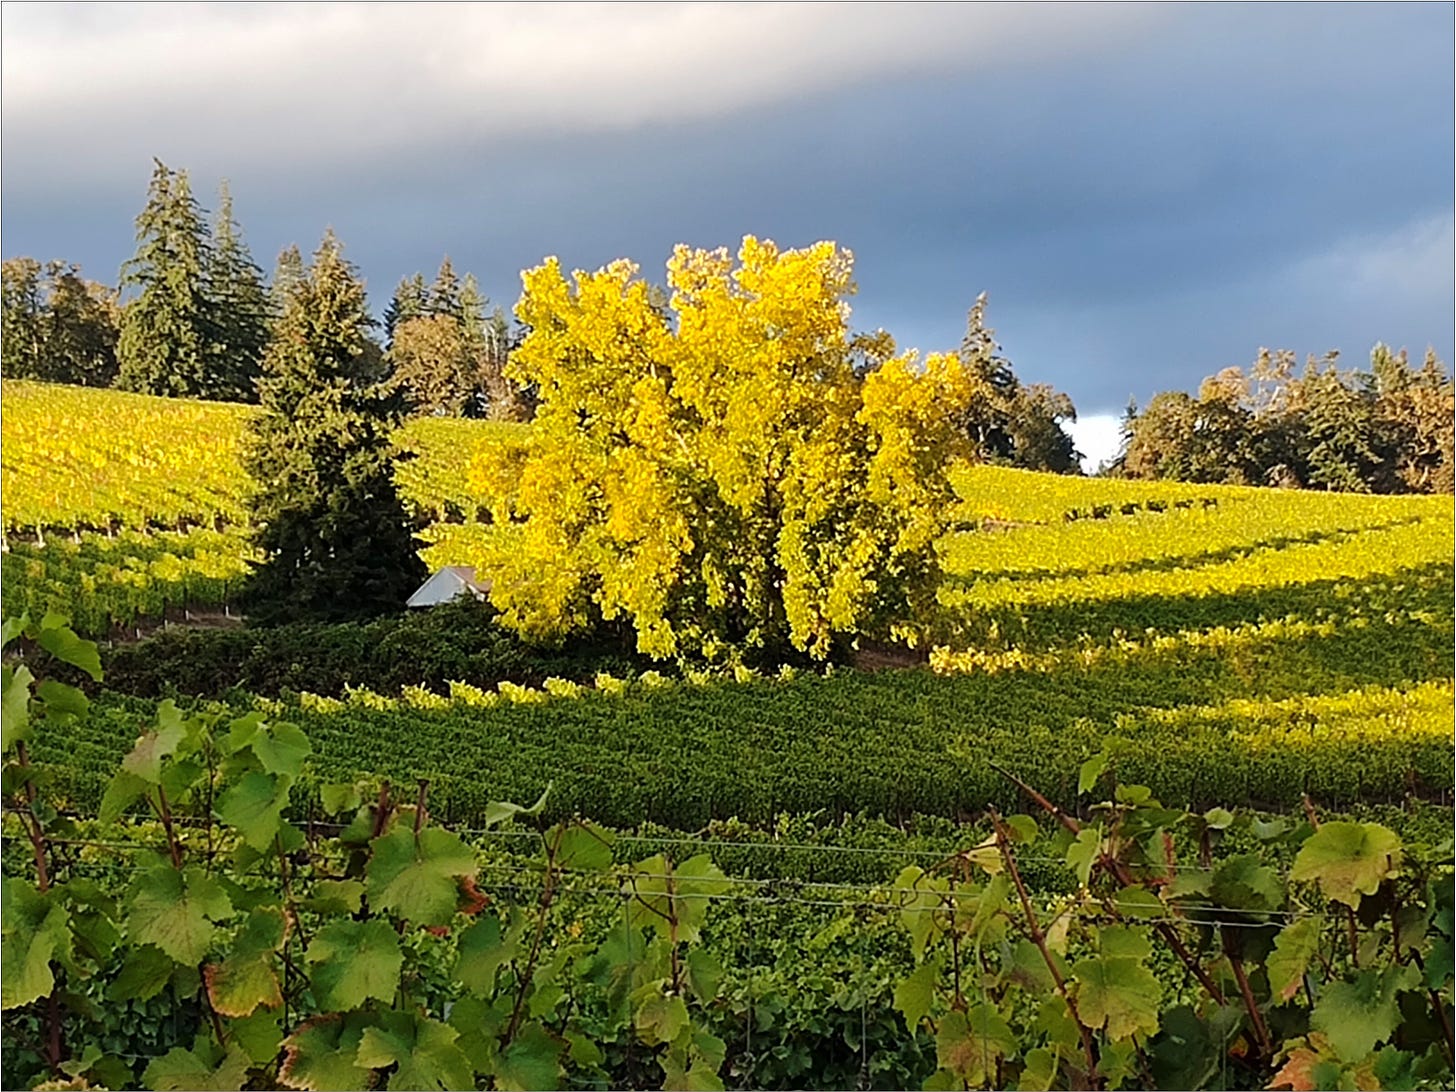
(1147, 193)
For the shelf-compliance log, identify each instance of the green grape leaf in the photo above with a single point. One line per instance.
(1348, 860)
(1117, 992)
(1354, 1016)
(1183, 1054)
(254, 807)
(916, 993)
(1082, 854)
(1029, 970)
(702, 1078)
(337, 798)
(697, 880)
(34, 931)
(65, 646)
(62, 703)
(259, 1036)
(1395, 1070)
(657, 1016)
(1242, 882)
(417, 876)
(709, 1049)
(704, 974)
(12, 628)
(1139, 904)
(918, 895)
(583, 1050)
(1022, 828)
(1122, 940)
(584, 848)
(1040, 1071)
(970, 1043)
(145, 759)
(354, 961)
(321, 1056)
(175, 911)
(532, 1063)
(122, 792)
(482, 952)
(1218, 818)
(498, 811)
(145, 972)
(15, 704)
(423, 1049)
(281, 748)
(1090, 771)
(479, 1026)
(1294, 947)
(335, 897)
(1054, 1020)
(187, 1071)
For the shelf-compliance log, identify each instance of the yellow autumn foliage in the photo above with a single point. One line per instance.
(720, 473)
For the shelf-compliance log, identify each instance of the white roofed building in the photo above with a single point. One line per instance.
(447, 584)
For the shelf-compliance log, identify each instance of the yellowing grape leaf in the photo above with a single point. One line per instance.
(1117, 992)
(1348, 860)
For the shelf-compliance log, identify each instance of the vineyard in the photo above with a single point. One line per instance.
(121, 507)
(1226, 714)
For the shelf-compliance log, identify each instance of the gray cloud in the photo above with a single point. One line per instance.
(1148, 194)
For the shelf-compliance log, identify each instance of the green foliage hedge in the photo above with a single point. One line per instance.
(428, 648)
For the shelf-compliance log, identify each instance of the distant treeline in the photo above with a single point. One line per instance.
(192, 316)
(1386, 430)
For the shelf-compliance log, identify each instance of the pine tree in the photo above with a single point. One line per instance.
(241, 307)
(475, 336)
(337, 543)
(444, 297)
(168, 331)
(408, 303)
(288, 274)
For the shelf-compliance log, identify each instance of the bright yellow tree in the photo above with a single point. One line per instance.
(733, 475)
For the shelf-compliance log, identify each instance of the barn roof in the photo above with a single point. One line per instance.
(445, 584)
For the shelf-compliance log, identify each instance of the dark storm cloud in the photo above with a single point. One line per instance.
(1145, 209)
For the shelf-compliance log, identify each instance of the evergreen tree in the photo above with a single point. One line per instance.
(242, 310)
(482, 365)
(444, 297)
(22, 310)
(337, 543)
(408, 303)
(288, 274)
(168, 331)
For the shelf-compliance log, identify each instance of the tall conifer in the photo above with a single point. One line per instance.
(241, 310)
(336, 540)
(288, 274)
(168, 331)
(408, 303)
